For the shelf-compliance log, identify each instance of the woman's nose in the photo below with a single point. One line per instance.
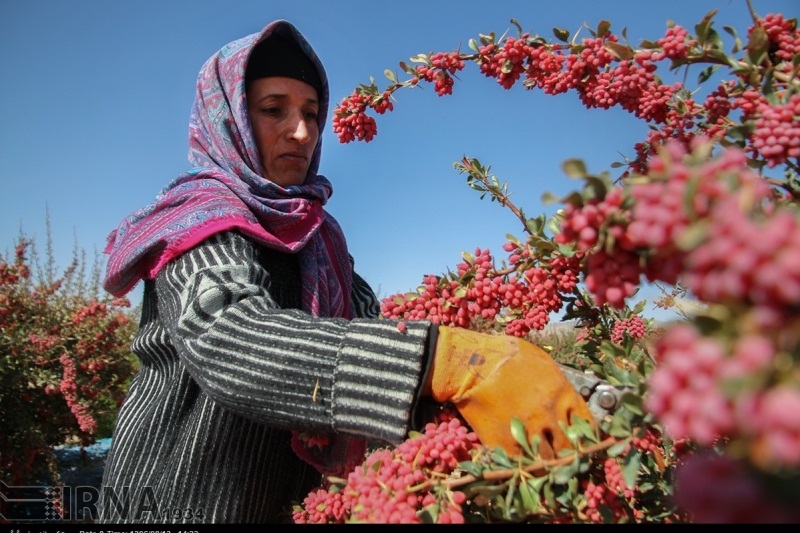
(300, 131)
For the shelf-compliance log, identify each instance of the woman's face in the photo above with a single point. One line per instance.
(283, 113)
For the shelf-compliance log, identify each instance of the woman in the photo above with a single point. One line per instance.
(256, 333)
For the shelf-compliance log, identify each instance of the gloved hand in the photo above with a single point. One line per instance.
(492, 378)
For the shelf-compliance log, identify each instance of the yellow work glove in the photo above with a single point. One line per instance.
(493, 378)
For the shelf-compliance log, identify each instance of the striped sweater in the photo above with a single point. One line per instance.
(229, 366)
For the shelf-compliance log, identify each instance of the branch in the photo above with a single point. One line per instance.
(544, 464)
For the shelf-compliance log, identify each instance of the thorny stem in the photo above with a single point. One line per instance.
(503, 199)
(499, 475)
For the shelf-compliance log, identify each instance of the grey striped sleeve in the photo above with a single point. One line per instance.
(364, 302)
(284, 367)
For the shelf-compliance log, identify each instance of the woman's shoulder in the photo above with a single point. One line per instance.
(225, 247)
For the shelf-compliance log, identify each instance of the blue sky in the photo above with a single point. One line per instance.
(95, 100)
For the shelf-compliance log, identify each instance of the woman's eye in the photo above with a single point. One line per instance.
(271, 111)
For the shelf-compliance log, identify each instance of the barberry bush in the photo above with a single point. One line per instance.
(65, 359)
(705, 208)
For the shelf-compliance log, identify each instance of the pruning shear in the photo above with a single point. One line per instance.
(602, 397)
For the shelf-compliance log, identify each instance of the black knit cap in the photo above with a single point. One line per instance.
(278, 56)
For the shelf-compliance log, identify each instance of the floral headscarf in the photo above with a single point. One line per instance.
(225, 191)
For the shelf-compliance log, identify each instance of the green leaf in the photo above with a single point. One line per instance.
(520, 434)
(693, 236)
(581, 428)
(575, 198)
(633, 403)
(595, 188)
(768, 88)
(574, 168)
(618, 448)
(602, 28)
(758, 45)
(630, 470)
(737, 42)
(706, 73)
(536, 224)
(549, 495)
(499, 456)
(715, 41)
(563, 474)
(561, 34)
(484, 488)
(620, 426)
(703, 27)
(720, 56)
(471, 468)
(620, 51)
(566, 497)
(553, 225)
(390, 75)
(549, 198)
(530, 499)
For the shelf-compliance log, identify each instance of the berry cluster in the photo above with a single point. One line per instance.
(633, 327)
(350, 122)
(605, 74)
(399, 485)
(608, 494)
(776, 137)
(505, 63)
(694, 393)
(716, 489)
(675, 44)
(480, 296)
(439, 70)
(783, 36)
(704, 222)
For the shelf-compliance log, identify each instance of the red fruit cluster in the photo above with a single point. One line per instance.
(675, 44)
(65, 359)
(605, 73)
(684, 391)
(481, 296)
(691, 393)
(586, 65)
(350, 122)
(697, 220)
(783, 35)
(69, 389)
(394, 486)
(633, 327)
(715, 489)
(749, 250)
(769, 418)
(608, 494)
(747, 260)
(612, 277)
(439, 70)
(776, 137)
(740, 236)
(505, 63)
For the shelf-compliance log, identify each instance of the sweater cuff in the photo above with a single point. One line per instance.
(377, 377)
(423, 405)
